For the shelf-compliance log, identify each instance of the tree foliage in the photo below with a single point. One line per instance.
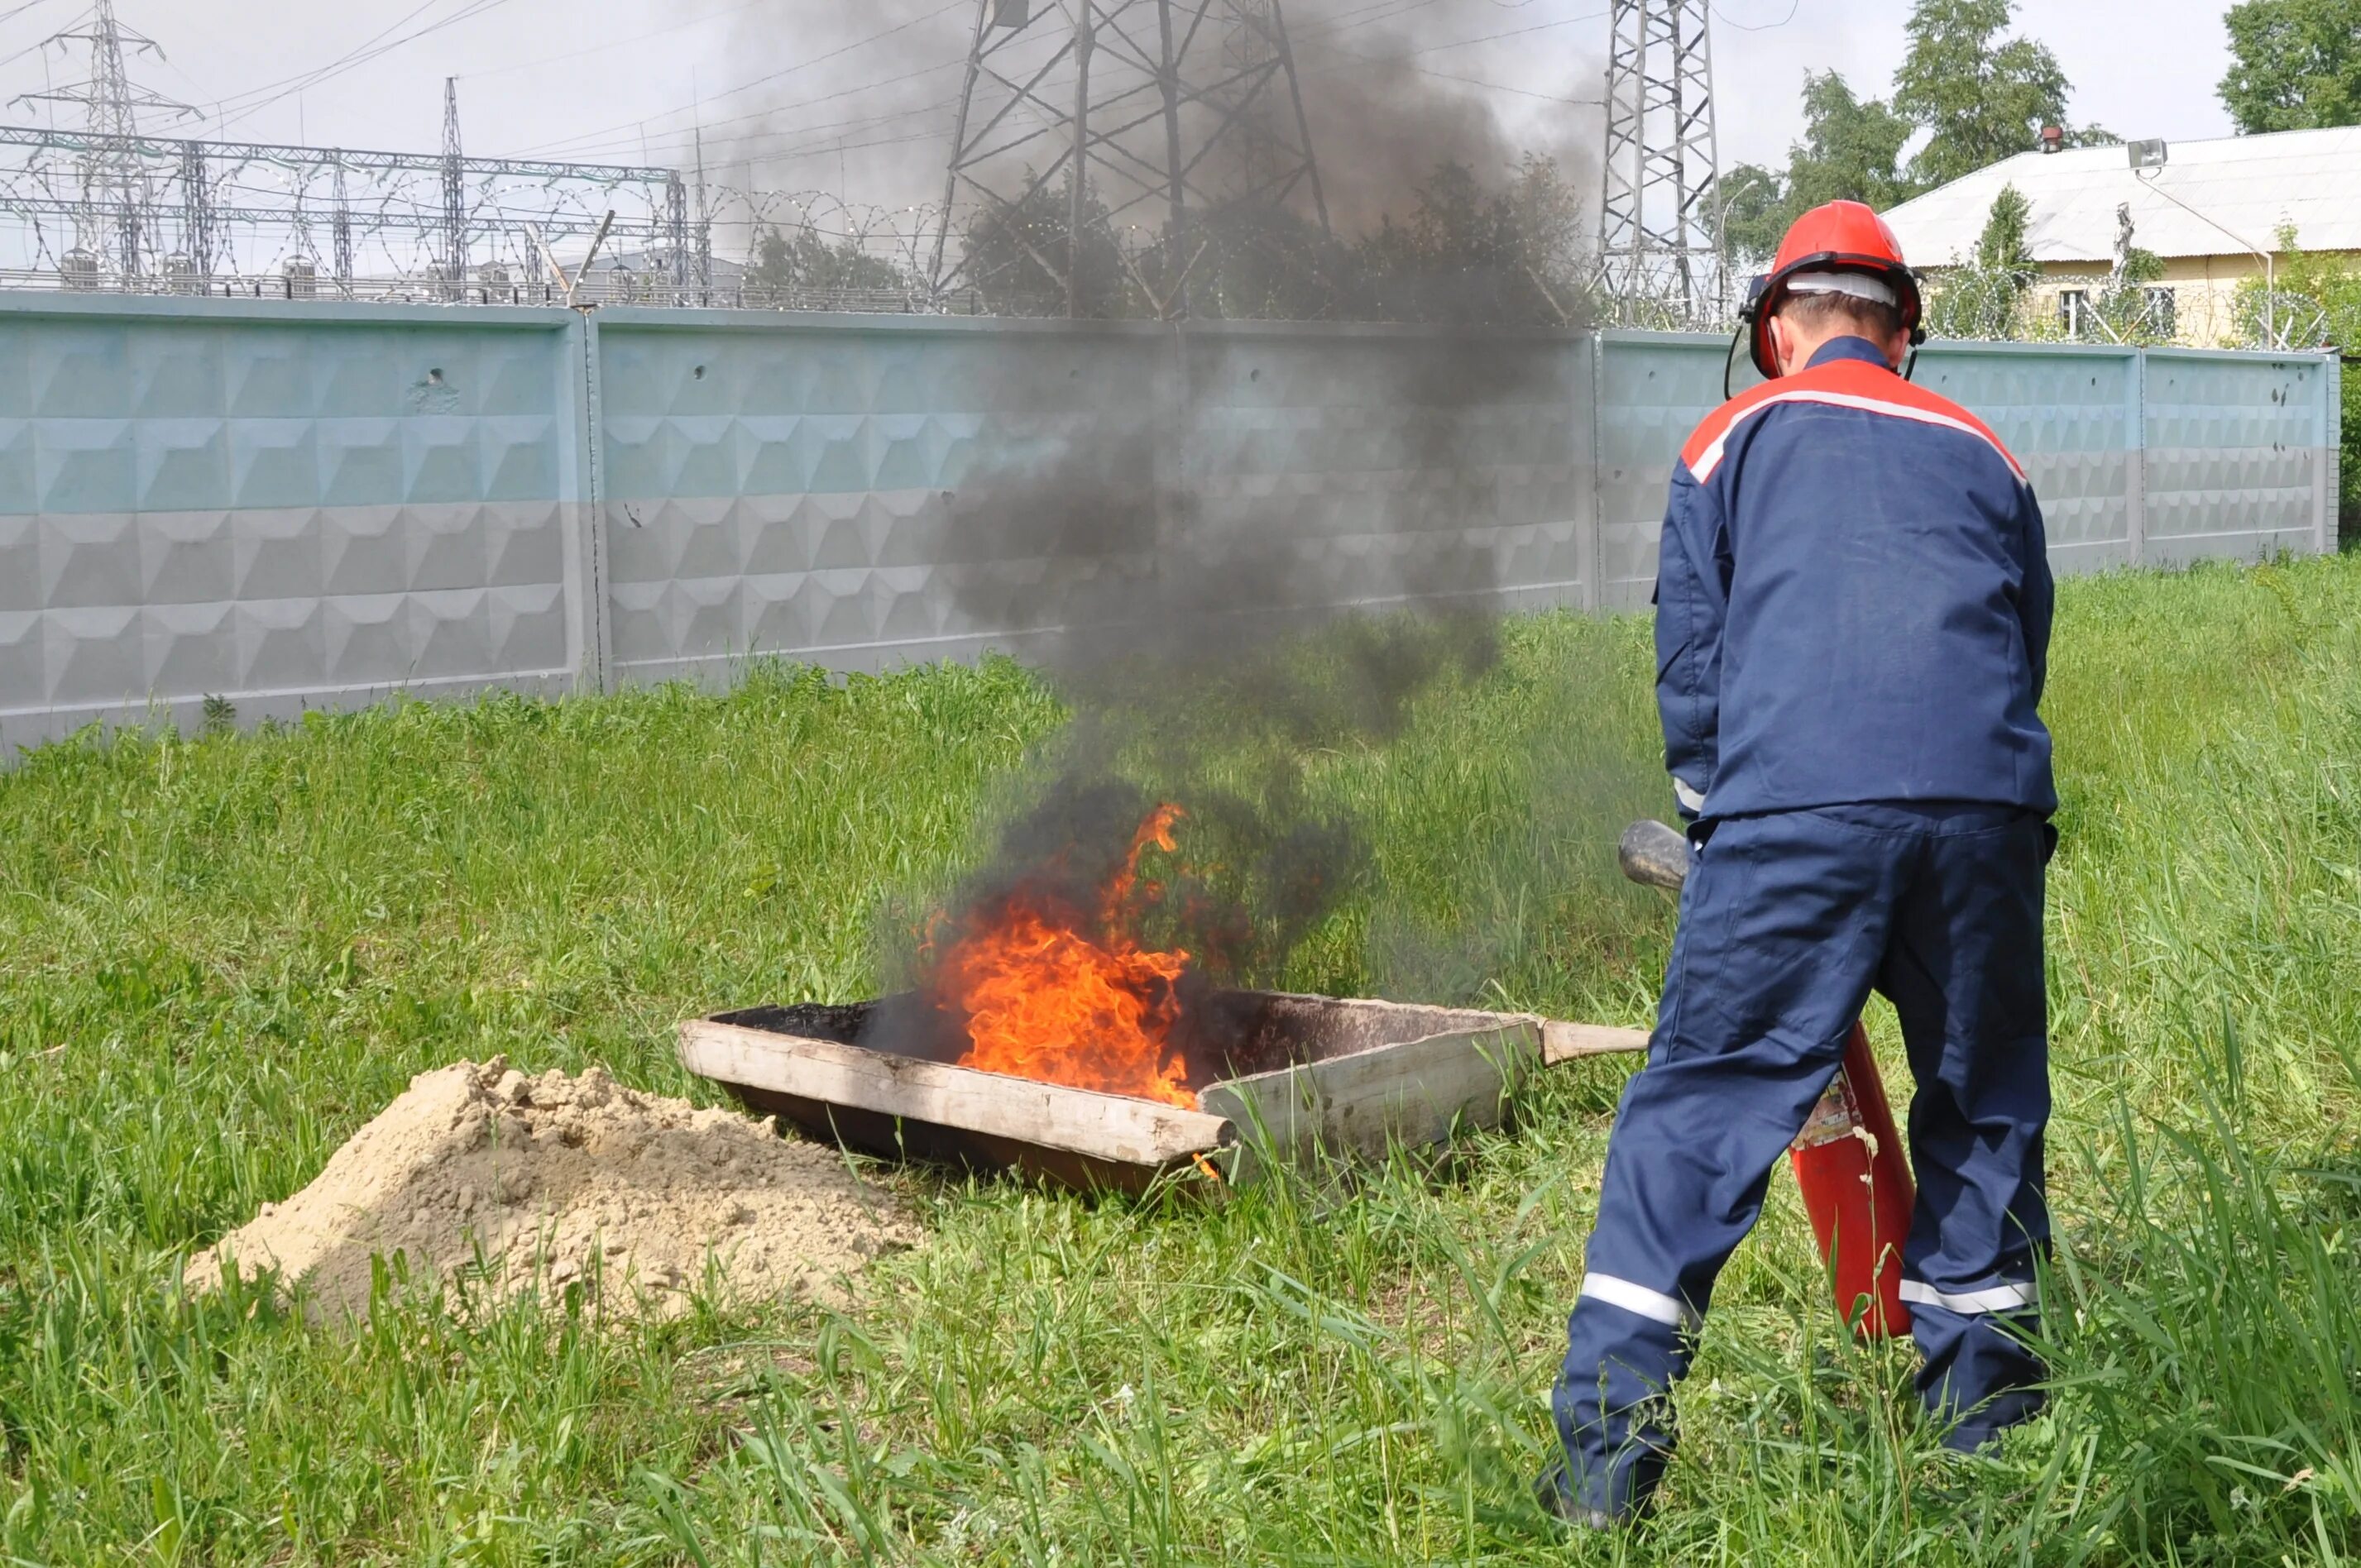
(2294, 64)
(1463, 250)
(1755, 211)
(1016, 256)
(2126, 307)
(809, 263)
(1469, 253)
(1984, 98)
(2317, 305)
(1249, 261)
(2328, 282)
(1980, 97)
(1852, 151)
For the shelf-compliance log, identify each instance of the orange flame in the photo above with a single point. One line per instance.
(1047, 1000)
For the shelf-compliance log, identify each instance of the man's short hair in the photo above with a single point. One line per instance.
(1817, 313)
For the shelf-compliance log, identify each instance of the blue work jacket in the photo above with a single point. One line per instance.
(1852, 601)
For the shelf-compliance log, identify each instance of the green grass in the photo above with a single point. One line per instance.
(219, 956)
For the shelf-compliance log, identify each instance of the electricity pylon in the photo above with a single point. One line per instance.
(115, 191)
(1663, 260)
(1124, 104)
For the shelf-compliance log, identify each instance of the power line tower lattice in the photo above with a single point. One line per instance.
(455, 194)
(109, 198)
(115, 193)
(1163, 112)
(1661, 252)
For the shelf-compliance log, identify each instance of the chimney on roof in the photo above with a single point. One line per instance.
(2053, 139)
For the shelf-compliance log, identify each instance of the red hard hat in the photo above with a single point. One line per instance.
(1842, 236)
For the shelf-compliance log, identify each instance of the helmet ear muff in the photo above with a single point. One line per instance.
(1730, 361)
(1754, 321)
(1747, 313)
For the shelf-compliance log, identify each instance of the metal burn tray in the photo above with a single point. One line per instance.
(1275, 1075)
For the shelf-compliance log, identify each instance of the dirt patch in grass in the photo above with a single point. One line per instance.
(557, 1179)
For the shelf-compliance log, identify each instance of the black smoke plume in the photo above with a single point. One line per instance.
(1223, 631)
(850, 139)
(1248, 556)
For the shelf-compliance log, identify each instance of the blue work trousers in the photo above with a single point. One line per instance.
(1787, 921)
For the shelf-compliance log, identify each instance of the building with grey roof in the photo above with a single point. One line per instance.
(2210, 211)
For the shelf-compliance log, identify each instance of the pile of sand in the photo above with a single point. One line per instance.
(549, 1176)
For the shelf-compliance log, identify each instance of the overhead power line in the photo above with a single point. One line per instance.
(246, 105)
(586, 144)
(782, 72)
(680, 141)
(819, 145)
(1792, 7)
(626, 134)
(666, 31)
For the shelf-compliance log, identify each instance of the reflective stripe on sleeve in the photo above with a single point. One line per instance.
(1689, 798)
(1654, 1305)
(1999, 1298)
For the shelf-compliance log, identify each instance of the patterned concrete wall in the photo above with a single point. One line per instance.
(2071, 415)
(279, 506)
(1652, 389)
(869, 495)
(2159, 456)
(2242, 454)
(288, 506)
(864, 495)
(1384, 465)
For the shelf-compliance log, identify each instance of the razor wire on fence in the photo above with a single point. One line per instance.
(91, 213)
(99, 213)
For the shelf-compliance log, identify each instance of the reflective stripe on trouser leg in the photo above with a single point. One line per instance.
(1968, 1303)
(1654, 1305)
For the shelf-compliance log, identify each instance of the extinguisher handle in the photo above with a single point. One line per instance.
(1655, 855)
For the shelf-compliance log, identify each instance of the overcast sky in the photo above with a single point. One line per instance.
(615, 79)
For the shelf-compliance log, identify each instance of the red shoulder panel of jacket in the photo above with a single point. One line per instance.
(1841, 383)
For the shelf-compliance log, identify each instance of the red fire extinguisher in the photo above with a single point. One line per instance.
(1857, 1189)
(1848, 1161)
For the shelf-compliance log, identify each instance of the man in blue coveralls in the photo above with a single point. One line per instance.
(1852, 616)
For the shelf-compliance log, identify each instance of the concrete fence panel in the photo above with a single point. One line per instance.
(864, 493)
(2242, 454)
(2071, 415)
(1378, 465)
(280, 508)
(1652, 390)
(291, 505)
